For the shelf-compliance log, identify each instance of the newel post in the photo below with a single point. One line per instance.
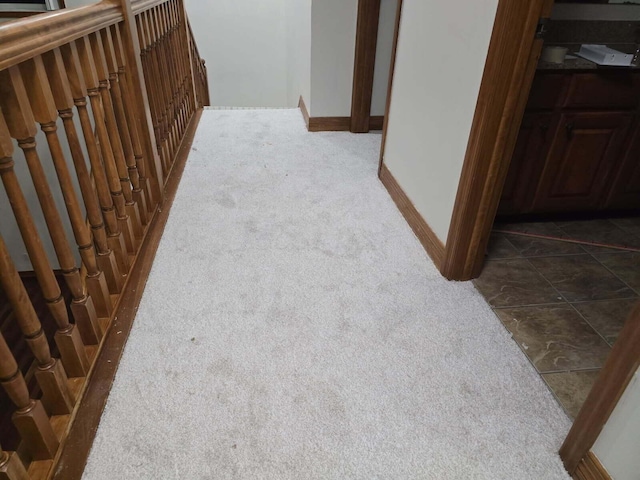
(141, 98)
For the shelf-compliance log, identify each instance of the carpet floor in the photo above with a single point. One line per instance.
(293, 327)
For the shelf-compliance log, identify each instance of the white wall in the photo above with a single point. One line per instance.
(298, 41)
(244, 45)
(386, 28)
(442, 49)
(618, 445)
(333, 44)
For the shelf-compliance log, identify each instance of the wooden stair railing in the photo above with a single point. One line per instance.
(102, 98)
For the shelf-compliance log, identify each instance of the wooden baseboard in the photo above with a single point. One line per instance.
(431, 243)
(376, 123)
(305, 112)
(74, 452)
(329, 124)
(333, 124)
(590, 468)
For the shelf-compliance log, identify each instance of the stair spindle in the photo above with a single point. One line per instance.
(125, 127)
(30, 418)
(143, 190)
(11, 467)
(113, 252)
(20, 125)
(50, 375)
(44, 111)
(114, 135)
(93, 84)
(96, 280)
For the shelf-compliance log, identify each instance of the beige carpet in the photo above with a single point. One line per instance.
(293, 328)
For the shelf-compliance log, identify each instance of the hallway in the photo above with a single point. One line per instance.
(293, 327)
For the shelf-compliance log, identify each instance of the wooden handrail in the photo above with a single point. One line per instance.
(139, 6)
(29, 37)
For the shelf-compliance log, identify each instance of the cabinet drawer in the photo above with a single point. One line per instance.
(612, 90)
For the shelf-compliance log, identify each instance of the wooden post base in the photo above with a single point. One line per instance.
(11, 468)
(56, 396)
(36, 432)
(109, 266)
(99, 293)
(86, 319)
(119, 248)
(134, 214)
(129, 237)
(141, 201)
(73, 355)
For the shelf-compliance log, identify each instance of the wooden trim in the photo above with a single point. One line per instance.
(429, 240)
(73, 453)
(507, 78)
(36, 35)
(392, 69)
(329, 124)
(305, 112)
(619, 369)
(590, 468)
(364, 64)
(376, 123)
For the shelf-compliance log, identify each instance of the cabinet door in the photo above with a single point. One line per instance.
(585, 151)
(526, 163)
(625, 192)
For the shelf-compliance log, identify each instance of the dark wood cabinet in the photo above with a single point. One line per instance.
(625, 191)
(580, 163)
(525, 168)
(576, 150)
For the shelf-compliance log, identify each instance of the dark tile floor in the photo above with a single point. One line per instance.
(564, 303)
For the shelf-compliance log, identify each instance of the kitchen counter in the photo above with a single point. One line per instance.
(579, 63)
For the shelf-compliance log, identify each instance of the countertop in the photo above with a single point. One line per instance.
(584, 64)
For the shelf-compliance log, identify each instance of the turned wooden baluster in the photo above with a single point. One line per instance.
(143, 191)
(112, 257)
(20, 125)
(11, 467)
(162, 93)
(177, 114)
(96, 280)
(184, 44)
(151, 83)
(100, 63)
(30, 418)
(125, 127)
(43, 109)
(115, 186)
(50, 375)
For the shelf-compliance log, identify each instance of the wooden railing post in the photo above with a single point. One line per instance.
(30, 418)
(96, 280)
(56, 396)
(43, 110)
(113, 257)
(186, 39)
(74, 356)
(104, 77)
(11, 467)
(94, 88)
(140, 96)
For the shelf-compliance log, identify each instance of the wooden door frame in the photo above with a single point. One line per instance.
(364, 64)
(618, 370)
(508, 74)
